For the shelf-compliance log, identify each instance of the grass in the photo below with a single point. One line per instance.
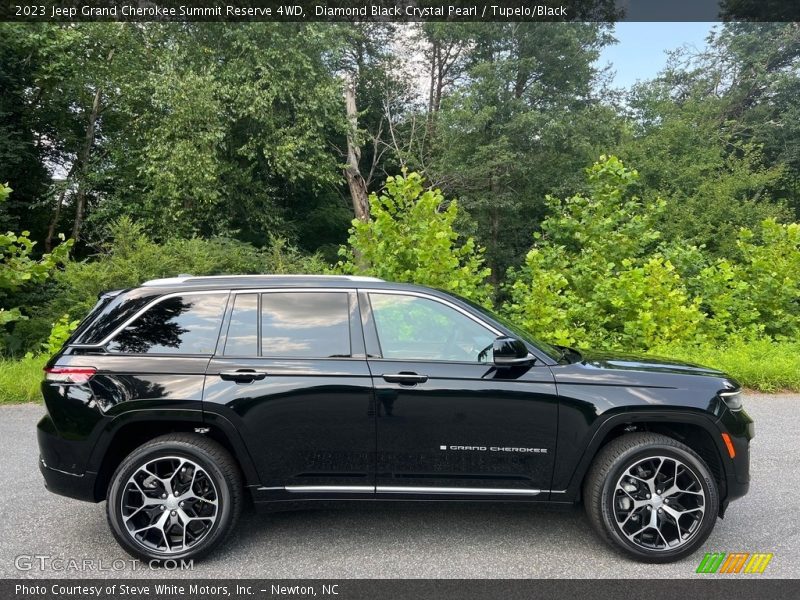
(20, 379)
(763, 366)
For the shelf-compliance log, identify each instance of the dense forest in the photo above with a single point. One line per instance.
(192, 147)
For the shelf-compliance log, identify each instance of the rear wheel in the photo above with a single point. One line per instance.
(174, 497)
(651, 497)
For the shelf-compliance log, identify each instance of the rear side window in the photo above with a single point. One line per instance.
(186, 324)
(242, 338)
(305, 324)
(110, 316)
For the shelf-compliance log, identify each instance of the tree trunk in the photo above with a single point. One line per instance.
(83, 159)
(355, 180)
(51, 229)
(494, 211)
(432, 88)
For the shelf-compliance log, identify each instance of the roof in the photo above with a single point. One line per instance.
(248, 281)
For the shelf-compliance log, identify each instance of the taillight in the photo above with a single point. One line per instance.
(69, 374)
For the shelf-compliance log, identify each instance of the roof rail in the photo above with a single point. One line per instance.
(185, 278)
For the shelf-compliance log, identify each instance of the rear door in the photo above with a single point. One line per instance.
(290, 373)
(448, 421)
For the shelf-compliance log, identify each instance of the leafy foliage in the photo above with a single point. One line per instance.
(756, 292)
(19, 268)
(594, 277)
(218, 149)
(59, 334)
(601, 275)
(411, 237)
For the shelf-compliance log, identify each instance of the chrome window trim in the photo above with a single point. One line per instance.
(463, 311)
(230, 292)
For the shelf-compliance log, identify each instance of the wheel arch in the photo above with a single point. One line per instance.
(122, 436)
(695, 430)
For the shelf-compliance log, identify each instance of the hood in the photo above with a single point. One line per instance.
(620, 361)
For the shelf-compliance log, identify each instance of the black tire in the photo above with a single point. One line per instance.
(219, 468)
(600, 495)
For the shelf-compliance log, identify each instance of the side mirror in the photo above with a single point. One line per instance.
(510, 352)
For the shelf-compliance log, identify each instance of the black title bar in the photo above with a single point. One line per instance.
(399, 10)
(385, 589)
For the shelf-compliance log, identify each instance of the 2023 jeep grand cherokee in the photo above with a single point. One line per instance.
(173, 398)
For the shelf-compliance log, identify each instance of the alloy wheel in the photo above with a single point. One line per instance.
(169, 505)
(659, 503)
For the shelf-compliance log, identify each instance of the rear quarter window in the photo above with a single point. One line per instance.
(187, 324)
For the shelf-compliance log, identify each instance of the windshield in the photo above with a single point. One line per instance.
(518, 331)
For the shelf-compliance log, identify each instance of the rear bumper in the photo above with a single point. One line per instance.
(80, 487)
(62, 464)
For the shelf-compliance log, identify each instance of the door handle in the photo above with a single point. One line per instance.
(405, 378)
(242, 375)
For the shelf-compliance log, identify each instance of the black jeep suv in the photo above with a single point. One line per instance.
(173, 398)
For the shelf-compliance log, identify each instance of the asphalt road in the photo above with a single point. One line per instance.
(438, 541)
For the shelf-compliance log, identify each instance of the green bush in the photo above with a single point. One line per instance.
(19, 268)
(600, 275)
(756, 292)
(410, 237)
(595, 276)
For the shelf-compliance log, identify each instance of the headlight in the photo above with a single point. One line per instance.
(732, 399)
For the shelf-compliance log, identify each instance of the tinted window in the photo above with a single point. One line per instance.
(414, 328)
(112, 315)
(242, 337)
(179, 325)
(305, 324)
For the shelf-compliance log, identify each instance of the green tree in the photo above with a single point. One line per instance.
(410, 237)
(716, 134)
(714, 182)
(513, 128)
(226, 131)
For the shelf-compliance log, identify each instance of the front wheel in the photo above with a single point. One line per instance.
(651, 497)
(175, 497)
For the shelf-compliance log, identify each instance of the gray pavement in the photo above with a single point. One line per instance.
(437, 541)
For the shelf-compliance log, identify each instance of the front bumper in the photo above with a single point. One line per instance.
(741, 429)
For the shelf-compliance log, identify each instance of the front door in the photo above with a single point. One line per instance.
(448, 421)
(290, 374)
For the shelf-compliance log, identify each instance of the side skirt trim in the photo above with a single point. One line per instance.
(392, 489)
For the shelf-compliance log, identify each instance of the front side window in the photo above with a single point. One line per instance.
(415, 328)
(305, 324)
(178, 325)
